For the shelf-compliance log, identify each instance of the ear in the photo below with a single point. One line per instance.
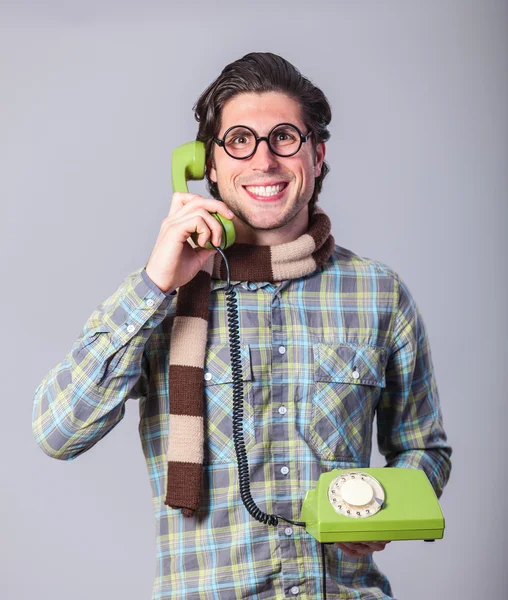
(320, 157)
(212, 172)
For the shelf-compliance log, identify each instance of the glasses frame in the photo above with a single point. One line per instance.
(222, 142)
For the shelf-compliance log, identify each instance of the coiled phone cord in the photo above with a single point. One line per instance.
(241, 454)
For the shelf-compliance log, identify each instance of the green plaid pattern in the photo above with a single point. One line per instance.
(321, 355)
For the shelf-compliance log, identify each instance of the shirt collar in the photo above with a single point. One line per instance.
(218, 284)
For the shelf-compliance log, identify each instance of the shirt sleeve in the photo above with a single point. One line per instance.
(83, 397)
(409, 417)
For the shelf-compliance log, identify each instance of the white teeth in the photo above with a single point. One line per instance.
(269, 190)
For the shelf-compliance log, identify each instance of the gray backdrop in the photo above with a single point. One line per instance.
(94, 96)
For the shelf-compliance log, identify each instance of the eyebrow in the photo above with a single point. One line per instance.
(256, 133)
(243, 127)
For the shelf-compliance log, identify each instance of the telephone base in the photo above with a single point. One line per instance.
(410, 509)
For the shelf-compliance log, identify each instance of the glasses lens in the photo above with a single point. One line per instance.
(285, 140)
(240, 142)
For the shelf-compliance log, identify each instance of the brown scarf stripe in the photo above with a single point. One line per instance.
(247, 262)
(184, 486)
(191, 301)
(189, 383)
(324, 243)
(254, 261)
(321, 227)
(322, 254)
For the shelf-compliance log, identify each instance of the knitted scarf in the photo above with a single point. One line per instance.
(247, 262)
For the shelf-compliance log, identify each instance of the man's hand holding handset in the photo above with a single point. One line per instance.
(173, 261)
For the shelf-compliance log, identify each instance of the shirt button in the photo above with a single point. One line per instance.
(284, 470)
(288, 531)
(252, 286)
(150, 302)
(356, 374)
(208, 376)
(282, 350)
(282, 410)
(294, 590)
(131, 328)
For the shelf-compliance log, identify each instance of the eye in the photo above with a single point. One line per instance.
(241, 139)
(238, 137)
(284, 135)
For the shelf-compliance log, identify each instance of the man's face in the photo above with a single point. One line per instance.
(237, 179)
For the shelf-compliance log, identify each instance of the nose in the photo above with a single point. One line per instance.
(263, 159)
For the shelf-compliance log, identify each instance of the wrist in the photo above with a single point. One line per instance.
(168, 291)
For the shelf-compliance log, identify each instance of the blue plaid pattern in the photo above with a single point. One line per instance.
(321, 355)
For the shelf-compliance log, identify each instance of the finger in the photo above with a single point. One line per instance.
(206, 230)
(361, 548)
(201, 222)
(367, 544)
(210, 206)
(186, 203)
(348, 551)
(350, 547)
(376, 546)
(357, 546)
(179, 199)
(372, 546)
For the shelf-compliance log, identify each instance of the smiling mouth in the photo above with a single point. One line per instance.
(266, 191)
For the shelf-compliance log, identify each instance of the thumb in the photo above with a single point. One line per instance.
(204, 254)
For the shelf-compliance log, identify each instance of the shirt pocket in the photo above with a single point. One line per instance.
(348, 380)
(218, 406)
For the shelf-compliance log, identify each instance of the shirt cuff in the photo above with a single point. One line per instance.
(153, 286)
(138, 306)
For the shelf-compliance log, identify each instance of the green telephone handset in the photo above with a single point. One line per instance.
(188, 162)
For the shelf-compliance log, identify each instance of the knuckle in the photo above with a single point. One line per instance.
(206, 221)
(178, 197)
(190, 197)
(211, 220)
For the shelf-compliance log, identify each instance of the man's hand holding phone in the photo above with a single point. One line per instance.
(355, 549)
(173, 261)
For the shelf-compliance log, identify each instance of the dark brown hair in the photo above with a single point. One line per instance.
(263, 72)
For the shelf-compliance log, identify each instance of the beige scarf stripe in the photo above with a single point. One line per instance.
(189, 338)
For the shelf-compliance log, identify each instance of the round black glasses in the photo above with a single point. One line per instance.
(240, 141)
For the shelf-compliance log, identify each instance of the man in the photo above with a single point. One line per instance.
(327, 339)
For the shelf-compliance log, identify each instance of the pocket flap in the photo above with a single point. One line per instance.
(218, 367)
(349, 363)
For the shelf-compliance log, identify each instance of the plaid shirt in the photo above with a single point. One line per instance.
(306, 411)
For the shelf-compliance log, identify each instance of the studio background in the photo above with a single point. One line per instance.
(95, 95)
